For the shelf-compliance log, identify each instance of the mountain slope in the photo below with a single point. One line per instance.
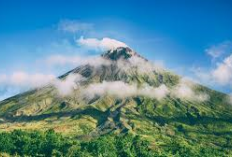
(202, 118)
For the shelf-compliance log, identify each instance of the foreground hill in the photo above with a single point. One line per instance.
(123, 94)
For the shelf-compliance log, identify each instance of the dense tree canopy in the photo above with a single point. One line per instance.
(50, 143)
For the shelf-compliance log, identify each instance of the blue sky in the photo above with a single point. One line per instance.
(193, 38)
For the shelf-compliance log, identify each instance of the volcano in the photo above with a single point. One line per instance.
(125, 93)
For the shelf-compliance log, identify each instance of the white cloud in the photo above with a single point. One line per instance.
(223, 72)
(122, 90)
(184, 90)
(117, 89)
(24, 79)
(68, 85)
(74, 26)
(219, 74)
(218, 77)
(158, 93)
(140, 64)
(21, 81)
(102, 45)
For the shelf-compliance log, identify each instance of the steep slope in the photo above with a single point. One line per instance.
(201, 119)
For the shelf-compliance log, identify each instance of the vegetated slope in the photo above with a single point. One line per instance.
(165, 123)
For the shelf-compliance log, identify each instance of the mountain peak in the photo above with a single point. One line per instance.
(119, 53)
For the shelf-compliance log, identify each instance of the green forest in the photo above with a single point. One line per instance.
(50, 143)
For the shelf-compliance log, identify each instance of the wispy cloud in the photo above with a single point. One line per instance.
(74, 26)
(76, 60)
(218, 50)
(202, 75)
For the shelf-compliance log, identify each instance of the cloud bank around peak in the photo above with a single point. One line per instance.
(121, 89)
(100, 45)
